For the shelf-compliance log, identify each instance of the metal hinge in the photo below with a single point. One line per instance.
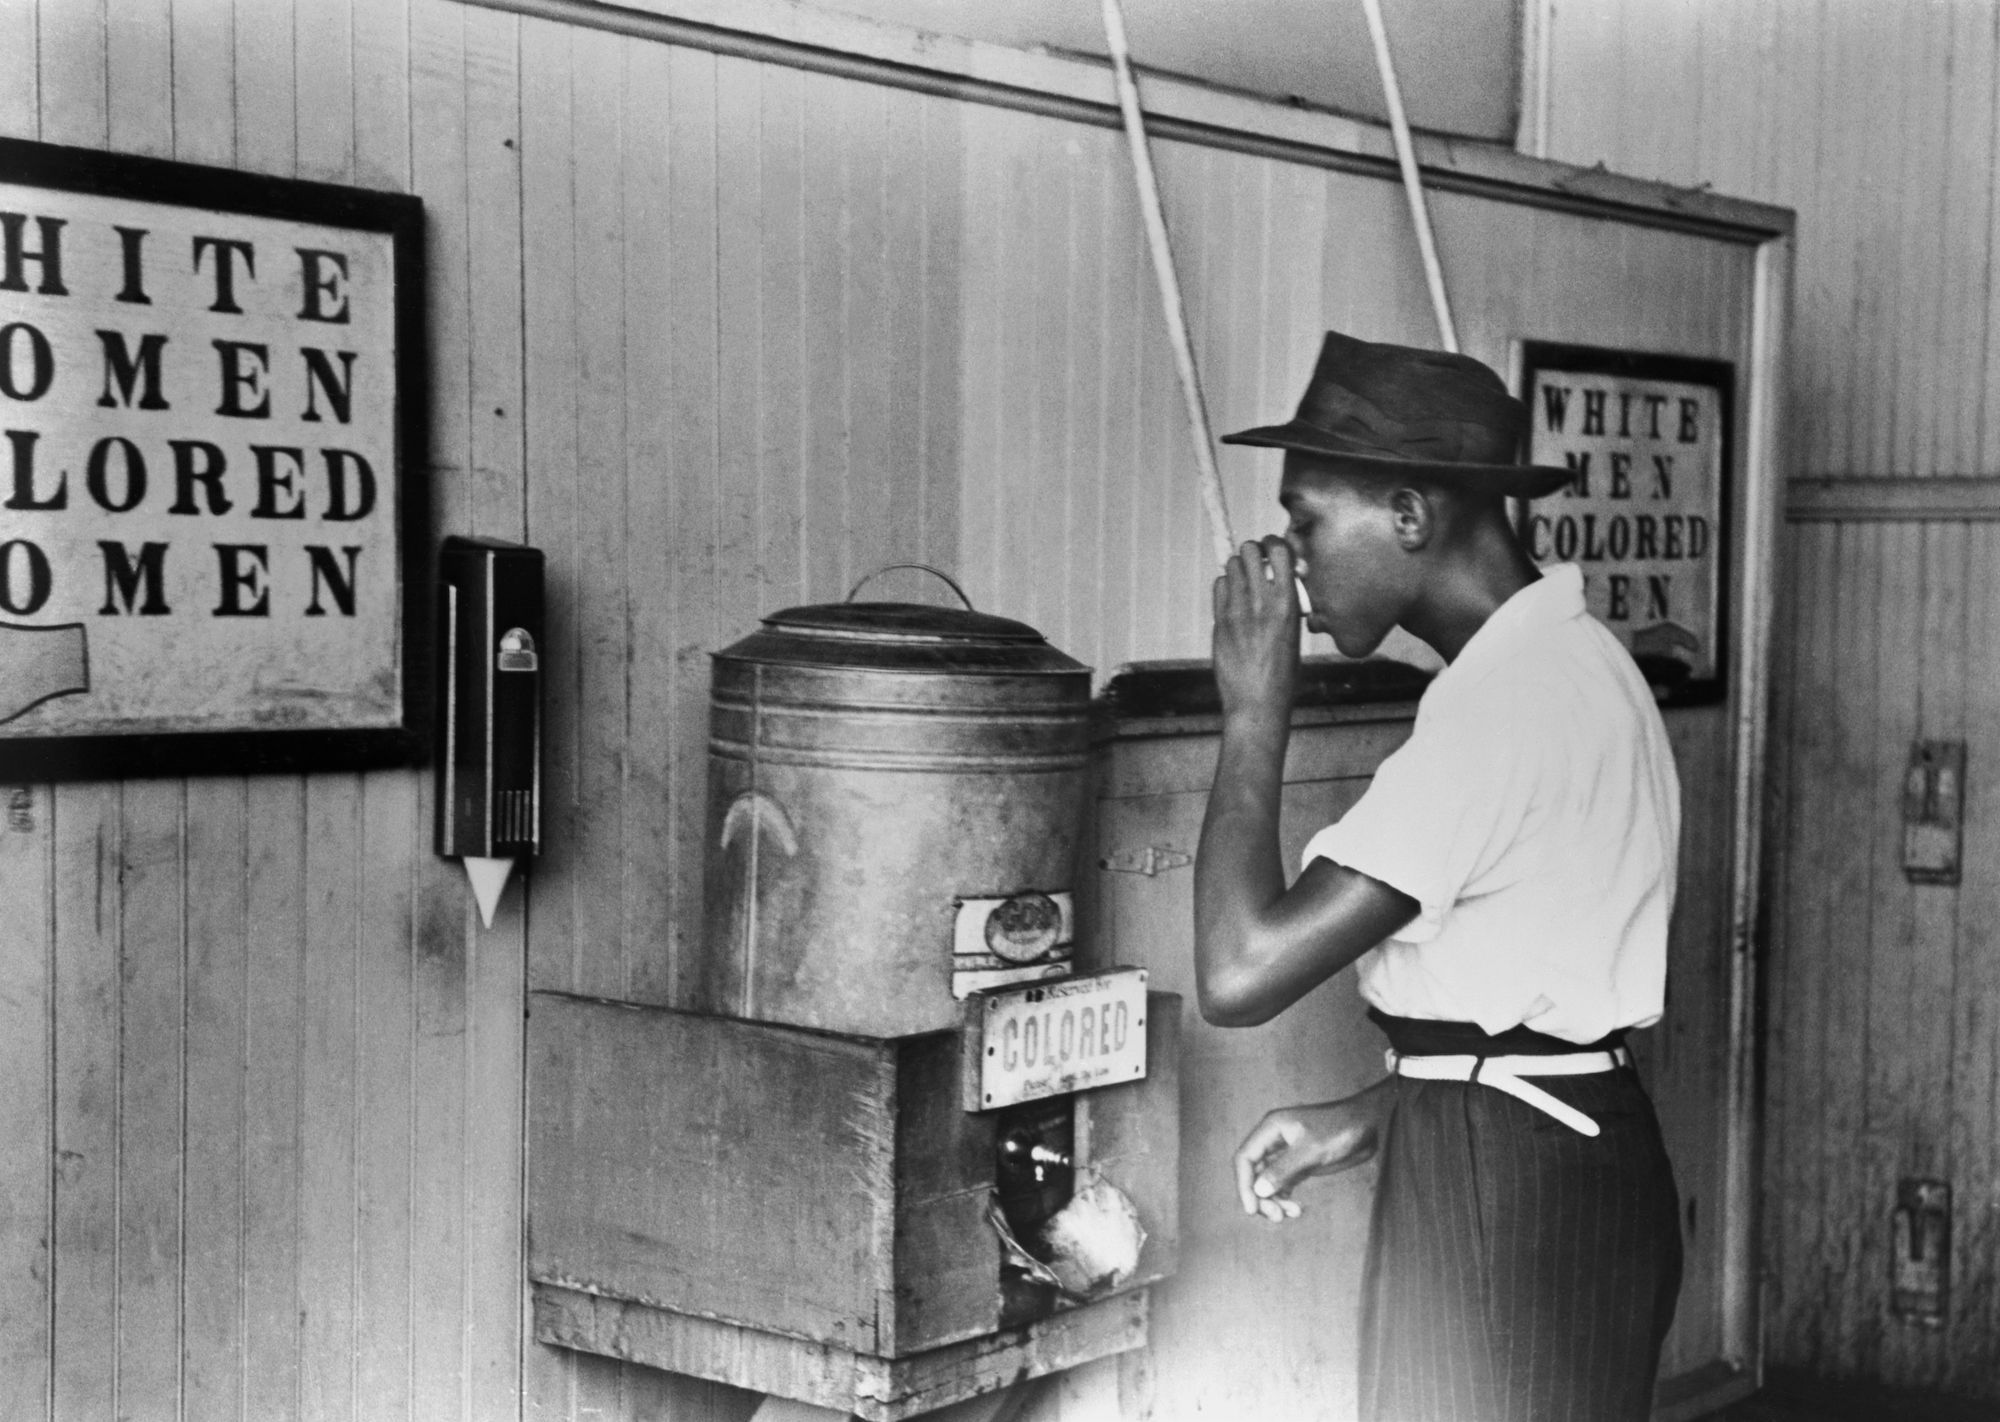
(1154, 859)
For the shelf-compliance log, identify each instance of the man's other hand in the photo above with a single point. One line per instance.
(1294, 1143)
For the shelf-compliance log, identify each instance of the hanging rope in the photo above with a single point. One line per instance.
(1413, 184)
(1170, 286)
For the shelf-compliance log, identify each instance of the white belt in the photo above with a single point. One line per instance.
(1505, 1073)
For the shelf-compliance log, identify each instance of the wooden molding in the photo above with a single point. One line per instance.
(1079, 88)
(1857, 498)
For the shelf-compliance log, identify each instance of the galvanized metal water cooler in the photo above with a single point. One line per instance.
(894, 797)
(859, 1176)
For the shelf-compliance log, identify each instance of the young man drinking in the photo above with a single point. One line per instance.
(1504, 887)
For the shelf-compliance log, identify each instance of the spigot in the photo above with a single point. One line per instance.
(1020, 1147)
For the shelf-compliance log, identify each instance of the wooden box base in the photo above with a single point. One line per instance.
(873, 1388)
(783, 1184)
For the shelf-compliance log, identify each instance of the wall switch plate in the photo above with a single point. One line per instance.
(1920, 1262)
(1933, 811)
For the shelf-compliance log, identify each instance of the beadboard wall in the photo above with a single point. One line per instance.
(721, 334)
(1877, 123)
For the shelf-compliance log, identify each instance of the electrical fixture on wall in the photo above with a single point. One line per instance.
(1920, 1263)
(1933, 805)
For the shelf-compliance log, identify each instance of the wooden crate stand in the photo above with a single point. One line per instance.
(804, 1213)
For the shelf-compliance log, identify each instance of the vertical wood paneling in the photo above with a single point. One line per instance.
(204, 84)
(1792, 1019)
(1878, 123)
(1159, 457)
(1955, 356)
(1887, 1069)
(1934, 923)
(719, 337)
(939, 458)
(323, 91)
(491, 1057)
(1672, 35)
(27, 1055)
(1892, 43)
(782, 236)
(20, 77)
(266, 100)
(1978, 257)
(824, 472)
(392, 832)
(1101, 575)
(602, 618)
(1848, 128)
(32, 1233)
(1041, 546)
(150, 1091)
(70, 43)
(274, 1024)
(440, 138)
(1922, 167)
(381, 98)
(334, 1042)
(1814, 1270)
(653, 921)
(1973, 1102)
(330, 1051)
(687, 321)
(203, 76)
(139, 79)
(1842, 1071)
(85, 1165)
(1878, 1148)
(984, 307)
(1082, 451)
(1681, 1058)
(549, 281)
(898, 289)
(872, 487)
(386, 1241)
(741, 491)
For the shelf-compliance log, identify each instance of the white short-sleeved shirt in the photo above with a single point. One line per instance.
(1534, 815)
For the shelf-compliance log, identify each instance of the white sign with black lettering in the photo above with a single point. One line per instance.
(1646, 439)
(1024, 1043)
(198, 470)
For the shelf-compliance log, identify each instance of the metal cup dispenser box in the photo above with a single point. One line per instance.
(904, 1154)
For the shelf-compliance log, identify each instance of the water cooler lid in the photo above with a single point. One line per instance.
(901, 636)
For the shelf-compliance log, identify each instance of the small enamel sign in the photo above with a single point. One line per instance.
(1048, 1039)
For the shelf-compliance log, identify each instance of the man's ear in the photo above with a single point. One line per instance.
(1414, 517)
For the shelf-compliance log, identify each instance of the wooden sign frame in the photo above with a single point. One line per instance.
(1649, 528)
(256, 489)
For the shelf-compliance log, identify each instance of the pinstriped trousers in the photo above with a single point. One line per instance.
(1519, 1271)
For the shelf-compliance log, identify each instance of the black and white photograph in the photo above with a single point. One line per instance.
(1046, 711)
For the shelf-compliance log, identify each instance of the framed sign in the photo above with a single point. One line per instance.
(1646, 512)
(212, 524)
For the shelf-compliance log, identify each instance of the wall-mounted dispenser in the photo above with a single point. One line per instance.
(489, 710)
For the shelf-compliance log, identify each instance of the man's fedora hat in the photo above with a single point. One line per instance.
(1395, 408)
